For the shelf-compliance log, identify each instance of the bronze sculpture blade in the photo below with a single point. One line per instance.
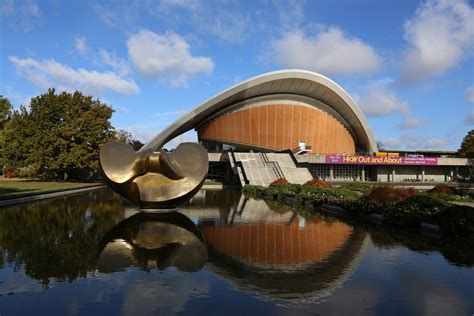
(154, 179)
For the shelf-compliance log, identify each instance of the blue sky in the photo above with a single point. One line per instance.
(408, 64)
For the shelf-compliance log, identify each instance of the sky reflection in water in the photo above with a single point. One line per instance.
(222, 254)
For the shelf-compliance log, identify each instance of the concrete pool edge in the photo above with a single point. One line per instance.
(48, 195)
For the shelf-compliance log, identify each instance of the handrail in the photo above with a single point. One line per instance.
(279, 172)
(274, 165)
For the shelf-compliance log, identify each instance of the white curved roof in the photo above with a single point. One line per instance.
(293, 81)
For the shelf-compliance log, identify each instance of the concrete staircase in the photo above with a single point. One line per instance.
(264, 168)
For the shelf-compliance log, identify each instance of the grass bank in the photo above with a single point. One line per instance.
(407, 208)
(10, 189)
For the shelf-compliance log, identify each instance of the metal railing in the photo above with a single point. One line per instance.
(272, 164)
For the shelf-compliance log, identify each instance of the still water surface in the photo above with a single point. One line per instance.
(222, 254)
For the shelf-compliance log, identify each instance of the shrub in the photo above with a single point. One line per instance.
(457, 220)
(250, 190)
(363, 206)
(279, 190)
(27, 172)
(9, 173)
(443, 189)
(402, 217)
(413, 210)
(445, 197)
(356, 186)
(318, 183)
(388, 194)
(279, 181)
(316, 195)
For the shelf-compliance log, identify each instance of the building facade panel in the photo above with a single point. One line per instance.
(280, 127)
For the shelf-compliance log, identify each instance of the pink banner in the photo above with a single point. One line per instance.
(381, 160)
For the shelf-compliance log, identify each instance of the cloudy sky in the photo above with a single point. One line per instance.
(408, 64)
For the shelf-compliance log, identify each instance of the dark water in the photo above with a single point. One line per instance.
(221, 255)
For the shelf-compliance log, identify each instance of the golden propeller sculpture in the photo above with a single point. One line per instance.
(154, 179)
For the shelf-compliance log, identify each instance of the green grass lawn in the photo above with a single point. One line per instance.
(12, 189)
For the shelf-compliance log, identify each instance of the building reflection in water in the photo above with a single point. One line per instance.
(276, 254)
(272, 254)
(153, 240)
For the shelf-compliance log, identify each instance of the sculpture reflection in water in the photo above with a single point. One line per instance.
(150, 240)
(154, 179)
(280, 255)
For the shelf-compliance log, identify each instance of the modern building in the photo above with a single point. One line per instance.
(298, 125)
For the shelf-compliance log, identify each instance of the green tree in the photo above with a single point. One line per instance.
(5, 111)
(465, 174)
(124, 136)
(467, 145)
(59, 136)
(5, 115)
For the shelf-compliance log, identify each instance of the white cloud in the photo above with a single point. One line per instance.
(20, 15)
(329, 51)
(410, 121)
(290, 13)
(470, 118)
(378, 100)
(49, 73)
(440, 36)
(80, 45)
(223, 20)
(391, 143)
(16, 98)
(226, 20)
(469, 94)
(227, 25)
(415, 142)
(119, 65)
(121, 14)
(168, 5)
(165, 57)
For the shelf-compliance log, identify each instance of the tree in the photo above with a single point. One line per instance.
(5, 111)
(5, 115)
(123, 136)
(59, 136)
(467, 145)
(465, 174)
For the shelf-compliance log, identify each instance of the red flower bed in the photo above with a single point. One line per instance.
(443, 189)
(280, 180)
(318, 183)
(389, 194)
(406, 193)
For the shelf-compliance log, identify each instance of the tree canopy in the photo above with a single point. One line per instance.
(123, 136)
(59, 135)
(5, 111)
(467, 145)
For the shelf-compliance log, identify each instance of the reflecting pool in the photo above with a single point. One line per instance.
(95, 254)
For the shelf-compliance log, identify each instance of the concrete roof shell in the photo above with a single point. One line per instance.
(292, 81)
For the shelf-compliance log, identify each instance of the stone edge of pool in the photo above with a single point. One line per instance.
(50, 194)
(62, 192)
